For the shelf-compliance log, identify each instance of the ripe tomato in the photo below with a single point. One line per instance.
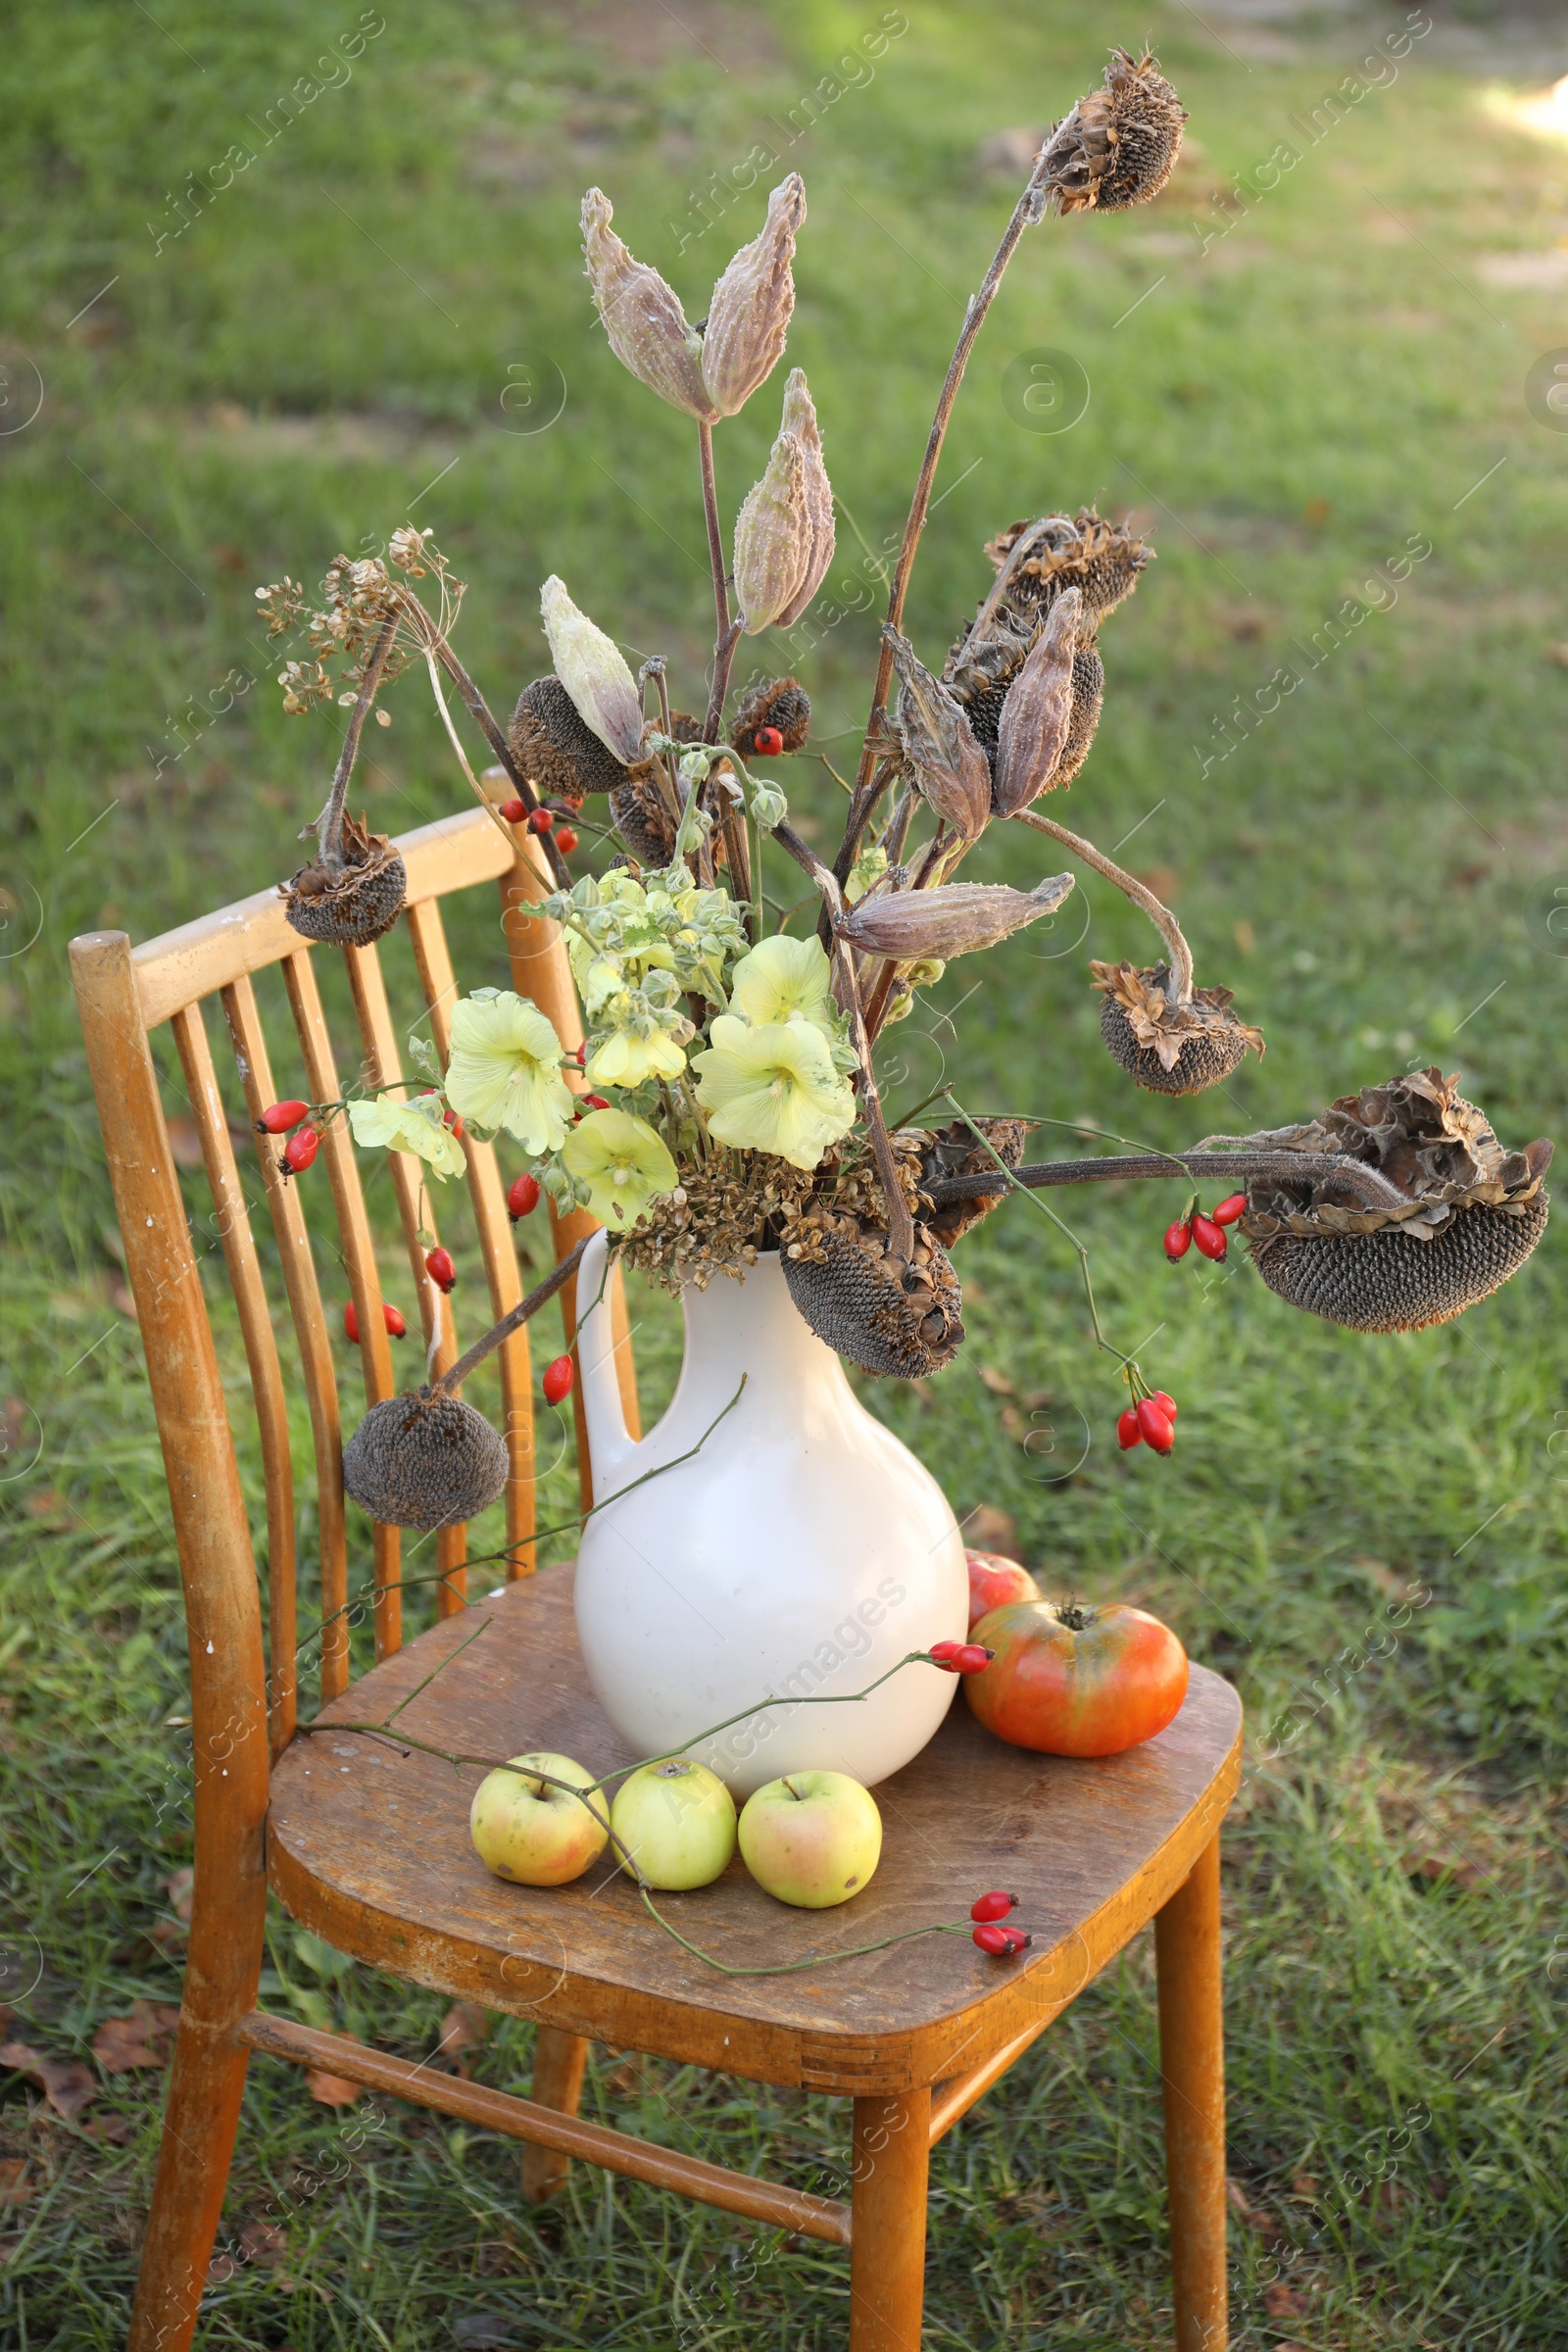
(1076, 1682)
(992, 1580)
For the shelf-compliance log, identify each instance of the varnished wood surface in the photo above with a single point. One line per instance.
(369, 1845)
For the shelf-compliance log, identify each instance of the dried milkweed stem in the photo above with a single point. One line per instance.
(329, 825)
(491, 1340)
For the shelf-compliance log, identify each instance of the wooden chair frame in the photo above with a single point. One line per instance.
(244, 1701)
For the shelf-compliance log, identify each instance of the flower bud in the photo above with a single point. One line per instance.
(590, 666)
(1038, 711)
(784, 531)
(648, 330)
(750, 312)
(945, 763)
(954, 919)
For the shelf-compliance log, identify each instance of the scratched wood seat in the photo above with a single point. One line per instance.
(363, 1838)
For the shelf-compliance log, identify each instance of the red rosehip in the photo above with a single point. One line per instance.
(595, 1101)
(565, 841)
(1017, 1940)
(351, 1322)
(1166, 1404)
(579, 1053)
(282, 1116)
(514, 811)
(995, 1905)
(943, 1654)
(1209, 1237)
(972, 1658)
(523, 1197)
(450, 1118)
(1233, 1205)
(1178, 1240)
(442, 1272)
(1128, 1432)
(768, 741)
(1001, 1942)
(558, 1380)
(1156, 1429)
(540, 820)
(300, 1150)
(395, 1324)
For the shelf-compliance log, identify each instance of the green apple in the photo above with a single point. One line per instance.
(676, 1821)
(812, 1838)
(530, 1832)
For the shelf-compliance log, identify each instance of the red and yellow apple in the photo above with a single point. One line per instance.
(527, 1830)
(674, 1822)
(812, 1838)
(995, 1580)
(1077, 1682)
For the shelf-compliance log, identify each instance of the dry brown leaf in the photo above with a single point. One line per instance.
(1282, 2302)
(463, 2027)
(66, 2084)
(331, 2089)
(997, 1381)
(15, 2186)
(118, 2130)
(144, 2037)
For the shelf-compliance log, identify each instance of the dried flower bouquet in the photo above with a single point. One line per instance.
(728, 1101)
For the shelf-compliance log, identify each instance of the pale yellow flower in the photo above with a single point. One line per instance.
(773, 1089)
(624, 1163)
(784, 979)
(626, 1060)
(504, 1070)
(416, 1126)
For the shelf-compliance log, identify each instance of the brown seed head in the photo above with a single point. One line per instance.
(1118, 146)
(781, 702)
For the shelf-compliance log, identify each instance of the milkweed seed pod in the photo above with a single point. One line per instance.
(648, 330)
(353, 901)
(944, 760)
(1036, 715)
(954, 1151)
(747, 318)
(900, 1321)
(594, 672)
(560, 757)
(424, 1462)
(1470, 1216)
(781, 702)
(954, 919)
(1169, 1048)
(784, 531)
(1118, 146)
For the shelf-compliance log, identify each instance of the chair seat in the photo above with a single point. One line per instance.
(368, 1845)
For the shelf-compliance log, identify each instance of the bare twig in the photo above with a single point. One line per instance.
(508, 1323)
(329, 825)
(1373, 1188)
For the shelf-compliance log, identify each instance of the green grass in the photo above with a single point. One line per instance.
(1371, 869)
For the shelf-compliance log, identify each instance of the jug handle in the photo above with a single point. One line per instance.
(610, 1443)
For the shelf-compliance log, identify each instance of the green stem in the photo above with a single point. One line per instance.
(786, 1968)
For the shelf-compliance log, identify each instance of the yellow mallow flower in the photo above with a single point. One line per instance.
(622, 1162)
(784, 980)
(416, 1126)
(626, 1060)
(505, 1069)
(773, 1089)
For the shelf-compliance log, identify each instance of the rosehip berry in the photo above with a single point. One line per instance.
(442, 1272)
(973, 1659)
(395, 1324)
(1128, 1432)
(565, 841)
(1166, 1404)
(558, 1380)
(579, 1053)
(995, 1905)
(540, 820)
(596, 1102)
(450, 1118)
(768, 741)
(1017, 1940)
(522, 1198)
(351, 1322)
(514, 811)
(1156, 1429)
(1233, 1205)
(942, 1654)
(1178, 1240)
(282, 1116)
(1209, 1237)
(993, 1939)
(300, 1150)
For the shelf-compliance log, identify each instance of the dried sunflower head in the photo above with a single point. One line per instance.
(556, 749)
(353, 901)
(425, 1461)
(1118, 146)
(781, 702)
(1170, 1049)
(900, 1319)
(954, 1152)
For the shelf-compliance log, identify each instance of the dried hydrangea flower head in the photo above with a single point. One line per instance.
(648, 330)
(743, 339)
(1118, 146)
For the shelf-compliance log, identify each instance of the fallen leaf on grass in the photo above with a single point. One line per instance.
(144, 2037)
(66, 2084)
(463, 2028)
(1282, 2302)
(262, 2241)
(15, 2186)
(331, 2089)
(118, 2130)
(1438, 1867)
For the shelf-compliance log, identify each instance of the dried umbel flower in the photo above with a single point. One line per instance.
(648, 330)
(954, 919)
(784, 531)
(1167, 1046)
(1118, 146)
(349, 902)
(1037, 711)
(750, 312)
(779, 703)
(947, 766)
(900, 1320)
(424, 1460)
(562, 758)
(955, 1151)
(594, 672)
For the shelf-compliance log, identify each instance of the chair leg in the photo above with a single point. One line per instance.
(559, 2064)
(1192, 2046)
(886, 2243)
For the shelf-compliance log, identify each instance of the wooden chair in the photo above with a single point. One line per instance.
(365, 1840)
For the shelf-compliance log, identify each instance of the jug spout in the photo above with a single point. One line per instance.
(610, 1443)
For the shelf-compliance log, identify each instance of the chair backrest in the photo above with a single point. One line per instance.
(238, 1682)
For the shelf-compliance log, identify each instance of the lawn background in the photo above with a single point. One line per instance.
(1289, 389)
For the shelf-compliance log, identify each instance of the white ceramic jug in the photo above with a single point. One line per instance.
(801, 1551)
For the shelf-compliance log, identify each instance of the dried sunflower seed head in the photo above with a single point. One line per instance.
(1166, 1046)
(1118, 146)
(424, 1462)
(781, 702)
(750, 312)
(900, 1320)
(559, 753)
(955, 1151)
(350, 902)
(647, 327)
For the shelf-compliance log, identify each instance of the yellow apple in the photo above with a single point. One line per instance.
(812, 1838)
(676, 1821)
(530, 1832)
